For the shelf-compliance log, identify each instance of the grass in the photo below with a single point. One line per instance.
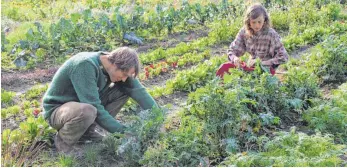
(66, 161)
(92, 155)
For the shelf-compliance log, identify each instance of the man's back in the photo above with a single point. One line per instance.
(65, 82)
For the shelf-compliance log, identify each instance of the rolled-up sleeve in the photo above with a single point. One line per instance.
(280, 53)
(237, 47)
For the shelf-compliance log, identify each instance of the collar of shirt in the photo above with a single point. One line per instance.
(102, 68)
(261, 32)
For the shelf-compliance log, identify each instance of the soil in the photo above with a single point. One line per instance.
(12, 122)
(301, 51)
(159, 81)
(20, 81)
(173, 39)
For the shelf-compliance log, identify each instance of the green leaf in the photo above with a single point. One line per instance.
(75, 17)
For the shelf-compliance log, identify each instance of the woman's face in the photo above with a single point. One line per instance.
(257, 24)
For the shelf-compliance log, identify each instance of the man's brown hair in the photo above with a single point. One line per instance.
(125, 58)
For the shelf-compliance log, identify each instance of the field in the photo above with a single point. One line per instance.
(298, 117)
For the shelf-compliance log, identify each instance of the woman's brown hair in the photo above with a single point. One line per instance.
(254, 12)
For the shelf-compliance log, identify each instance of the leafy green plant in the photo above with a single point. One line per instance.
(10, 111)
(329, 60)
(7, 96)
(290, 150)
(67, 161)
(280, 20)
(142, 130)
(35, 92)
(190, 80)
(92, 154)
(185, 146)
(17, 150)
(302, 86)
(331, 116)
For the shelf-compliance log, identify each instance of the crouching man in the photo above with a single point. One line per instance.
(90, 88)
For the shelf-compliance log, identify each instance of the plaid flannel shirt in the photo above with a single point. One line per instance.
(265, 44)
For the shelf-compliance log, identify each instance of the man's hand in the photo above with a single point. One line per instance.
(129, 135)
(266, 63)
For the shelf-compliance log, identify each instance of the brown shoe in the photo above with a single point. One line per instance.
(66, 149)
(92, 135)
(61, 145)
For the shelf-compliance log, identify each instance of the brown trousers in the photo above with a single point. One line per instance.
(73, 119)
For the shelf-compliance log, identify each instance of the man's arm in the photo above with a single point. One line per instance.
(136, 91)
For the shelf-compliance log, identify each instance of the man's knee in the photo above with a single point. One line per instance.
(88, 112)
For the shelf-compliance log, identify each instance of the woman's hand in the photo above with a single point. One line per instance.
(251, 62)
(266, 63)
(236, 61)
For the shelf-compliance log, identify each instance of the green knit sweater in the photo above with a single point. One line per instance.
(81, 79)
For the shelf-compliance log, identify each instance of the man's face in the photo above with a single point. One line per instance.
(118, 75)
(257, 24)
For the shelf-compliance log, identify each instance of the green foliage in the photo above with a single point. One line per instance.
(92, 155)
(14, 14)
(224, 30)
(10, 111)
(332, 10)
(67, 161)
(301, 85)
(185, 146)
(7, 96)
(159, 156)
(329, 60)
(142, 130)
(307, 37)
(190, 80)
(87, 31)
(3, 41)
(291, 150)
(331, 116)
(16, 150)
(36, 128)
(280, 20)
(35, 92)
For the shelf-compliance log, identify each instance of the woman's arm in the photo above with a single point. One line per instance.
(280, 53)
(237, 47)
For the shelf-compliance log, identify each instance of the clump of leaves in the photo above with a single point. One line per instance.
(142, 131)
(7, 96)
(67, 161)
(10, 111)
(331, 116)
(17, 150)
(302, 86)
(329, 60)
(35, 92)
(185, 146)
(291, 149)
